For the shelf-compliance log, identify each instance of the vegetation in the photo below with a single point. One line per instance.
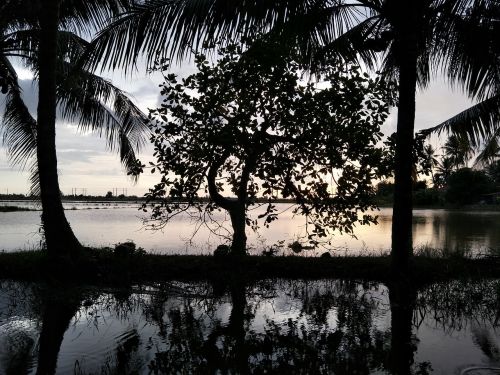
(410, 40)
(108, 267)
(453, 183)
(277, 137)
(249, 125)
(48, 40)
(434, 34)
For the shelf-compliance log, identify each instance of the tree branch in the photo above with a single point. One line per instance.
(219, 200)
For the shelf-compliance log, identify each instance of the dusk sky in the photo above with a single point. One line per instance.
(84, 161)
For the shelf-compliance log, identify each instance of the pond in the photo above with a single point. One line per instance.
(271, 326)
(107, 223)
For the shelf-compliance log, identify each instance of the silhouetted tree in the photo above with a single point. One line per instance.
(466, 186)
(458, 151)
(31, 31)
(430, 159)
(275, 137)
(493, 171)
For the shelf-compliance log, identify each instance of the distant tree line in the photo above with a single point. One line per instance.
(447, 180)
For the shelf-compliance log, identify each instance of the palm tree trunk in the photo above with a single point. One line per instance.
(402, 242)
(58, 234)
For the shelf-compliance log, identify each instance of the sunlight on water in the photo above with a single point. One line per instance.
(105, 224)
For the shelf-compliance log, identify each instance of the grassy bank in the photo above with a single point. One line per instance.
(104, 266)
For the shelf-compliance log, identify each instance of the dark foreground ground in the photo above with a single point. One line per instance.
(103, 266)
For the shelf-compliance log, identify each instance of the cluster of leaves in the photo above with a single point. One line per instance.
(421, 163)
(260, 131)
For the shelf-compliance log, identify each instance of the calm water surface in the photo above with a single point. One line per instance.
(105, 224)
(275, 326)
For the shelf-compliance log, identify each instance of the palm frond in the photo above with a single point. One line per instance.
(351, 46)
(85, 17)
(470, 49)
(18, 127)
(98, 106)
(489, 151)
(171, 28)
(34, 179)
(476, 123)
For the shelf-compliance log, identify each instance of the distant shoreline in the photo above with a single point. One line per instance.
(135, 199)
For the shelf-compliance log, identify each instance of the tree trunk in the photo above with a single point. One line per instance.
(235, 208)
(402, 244)
(239, 244)
(58, 233)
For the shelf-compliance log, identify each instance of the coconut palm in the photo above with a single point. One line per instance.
(407, 33)
(444, 169)
(429, 160)
(45, 40)
(458, 150)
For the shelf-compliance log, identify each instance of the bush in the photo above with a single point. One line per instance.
(427, 197)
(467, 186)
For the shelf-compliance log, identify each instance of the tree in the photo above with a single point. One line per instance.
(493, 171)
(458, 151)
(276, 137)
(466, 186)
(56, 56)
(409, 34)
(444, 170)
(430, 160)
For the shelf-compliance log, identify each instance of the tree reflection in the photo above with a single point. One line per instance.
(48, 309)
(327, 326)
(403, 297)
(353, 345)
(17, 358)
(59, 306)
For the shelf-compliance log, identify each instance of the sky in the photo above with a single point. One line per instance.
(85, 163)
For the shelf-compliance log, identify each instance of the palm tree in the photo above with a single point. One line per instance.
(458, 151)
(444, 169)
(408, 33)
(55, 57)
(430, 160)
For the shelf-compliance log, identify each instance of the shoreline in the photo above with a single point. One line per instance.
(103, 266)
(140, 200)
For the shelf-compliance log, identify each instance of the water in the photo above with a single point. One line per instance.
(273, 326)
(105, 224)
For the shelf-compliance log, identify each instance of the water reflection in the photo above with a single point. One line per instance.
(442, 229)
(328, 326)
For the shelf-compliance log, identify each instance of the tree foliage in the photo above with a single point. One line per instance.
(249, 127)
(466, 186)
